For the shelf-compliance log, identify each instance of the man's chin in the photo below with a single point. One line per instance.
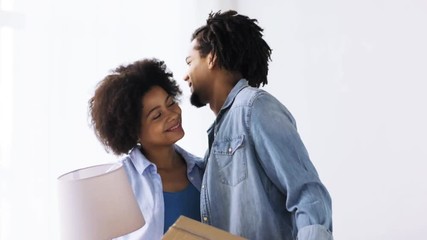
(195, 101)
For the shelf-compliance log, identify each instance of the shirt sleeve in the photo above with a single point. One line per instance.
(285, 160)
(314, 232)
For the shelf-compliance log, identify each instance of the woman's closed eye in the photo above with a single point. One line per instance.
(156, 115)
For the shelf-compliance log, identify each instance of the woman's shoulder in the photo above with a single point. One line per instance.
(136, 161)
(189, 158)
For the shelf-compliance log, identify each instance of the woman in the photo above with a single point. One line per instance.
(134, 112)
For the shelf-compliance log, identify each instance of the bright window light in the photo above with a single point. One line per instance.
(6, 94)
(5, 219)
(6, 118)
(6, 5)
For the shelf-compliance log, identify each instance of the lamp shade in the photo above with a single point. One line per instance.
(97, 203)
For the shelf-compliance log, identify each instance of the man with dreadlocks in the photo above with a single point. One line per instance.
(259, 181)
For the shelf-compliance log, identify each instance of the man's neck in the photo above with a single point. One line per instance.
(222, 88)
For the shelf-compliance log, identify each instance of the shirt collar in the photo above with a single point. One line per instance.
(242, 83)
(141, 163)
(139, 160)
(191, 160)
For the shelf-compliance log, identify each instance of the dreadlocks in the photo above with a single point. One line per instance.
(237, 43)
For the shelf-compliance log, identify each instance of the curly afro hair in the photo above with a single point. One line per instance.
(116, 107)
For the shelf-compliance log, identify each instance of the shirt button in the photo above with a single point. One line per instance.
(230, 150)
(205, 219)
(203, 186)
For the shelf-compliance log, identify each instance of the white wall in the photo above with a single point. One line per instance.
(61, 50)
(352, 73)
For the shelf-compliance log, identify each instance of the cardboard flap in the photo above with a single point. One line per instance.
(188, 229)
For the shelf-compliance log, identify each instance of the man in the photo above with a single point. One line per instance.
(259, 182)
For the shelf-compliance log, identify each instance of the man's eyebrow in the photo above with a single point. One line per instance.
(167, 98)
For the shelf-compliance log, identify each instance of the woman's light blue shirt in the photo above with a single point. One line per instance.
(147, 187)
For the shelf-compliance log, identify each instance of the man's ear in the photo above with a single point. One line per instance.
(211, 60)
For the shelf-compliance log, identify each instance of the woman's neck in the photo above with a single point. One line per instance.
(164, 158)
(170, 166)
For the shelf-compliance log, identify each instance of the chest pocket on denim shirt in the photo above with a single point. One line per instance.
(229, 156)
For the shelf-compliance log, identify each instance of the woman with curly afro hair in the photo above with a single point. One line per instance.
(135, 113)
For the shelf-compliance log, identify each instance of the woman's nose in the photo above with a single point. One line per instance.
(174, 112)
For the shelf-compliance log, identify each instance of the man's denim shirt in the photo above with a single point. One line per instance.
(259, 182)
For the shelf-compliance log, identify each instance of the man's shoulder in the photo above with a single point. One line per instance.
(248, 95)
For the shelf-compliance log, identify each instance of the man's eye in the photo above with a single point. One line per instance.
(171, 103)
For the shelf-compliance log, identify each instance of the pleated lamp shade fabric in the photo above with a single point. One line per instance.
(97, 203)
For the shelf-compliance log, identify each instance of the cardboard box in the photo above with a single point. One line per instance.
(188, 229)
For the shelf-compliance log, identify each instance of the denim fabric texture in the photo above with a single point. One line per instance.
(259, 182)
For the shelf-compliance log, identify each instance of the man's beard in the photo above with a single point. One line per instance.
(195, 100)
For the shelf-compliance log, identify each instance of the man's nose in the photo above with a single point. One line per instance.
(186, 77)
